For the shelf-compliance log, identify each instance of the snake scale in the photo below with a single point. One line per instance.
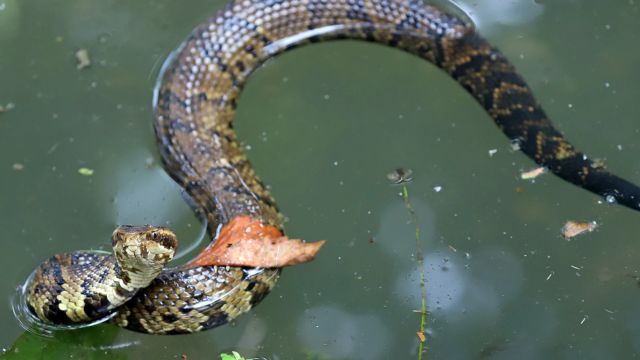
(195, 103)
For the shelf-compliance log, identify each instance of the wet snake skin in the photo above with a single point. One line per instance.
(82, 286)
(195, 105)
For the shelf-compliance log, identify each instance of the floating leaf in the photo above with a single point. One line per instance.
(572, 228)
(84, 171)
(248, 242)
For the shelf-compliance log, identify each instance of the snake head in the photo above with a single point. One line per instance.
(139, 247)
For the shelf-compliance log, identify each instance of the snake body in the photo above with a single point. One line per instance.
(195, 104)
(85, 286)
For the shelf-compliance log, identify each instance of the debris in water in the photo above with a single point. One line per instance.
(492, 152)
(572, 228)
(7, 107)
(84, 171)
(550, 275)
(400, 176)
(82, 56)
(421, 336)
(437, 188)
(18, 166)
(532, 174)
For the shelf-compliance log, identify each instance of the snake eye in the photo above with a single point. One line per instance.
(154, 236)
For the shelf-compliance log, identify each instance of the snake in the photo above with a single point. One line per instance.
(195, 102)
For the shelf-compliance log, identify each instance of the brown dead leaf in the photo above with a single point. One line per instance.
(572, 229)
(248, 242)
(421, 336)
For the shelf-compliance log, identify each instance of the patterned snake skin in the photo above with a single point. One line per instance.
(196, 101)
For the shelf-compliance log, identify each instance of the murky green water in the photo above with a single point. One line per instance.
(325, 124)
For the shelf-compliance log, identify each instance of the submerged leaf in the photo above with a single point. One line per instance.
(84, 171)
(234, 356)
(97, 343)
(248, 242)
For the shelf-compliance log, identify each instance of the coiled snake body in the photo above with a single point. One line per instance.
(195, 105)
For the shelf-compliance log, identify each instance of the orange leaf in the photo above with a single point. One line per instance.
(248, 242)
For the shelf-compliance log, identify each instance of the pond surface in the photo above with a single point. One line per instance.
(323, 126)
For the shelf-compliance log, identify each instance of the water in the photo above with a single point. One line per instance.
(502, 283)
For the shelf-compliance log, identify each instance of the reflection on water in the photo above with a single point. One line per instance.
(446, 284)
(396, 241)
(338, 334)
(488, 13)
(145, 195)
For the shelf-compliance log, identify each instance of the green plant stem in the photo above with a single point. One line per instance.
(420, 261)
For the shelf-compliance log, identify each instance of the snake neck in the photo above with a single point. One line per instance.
(133, 278)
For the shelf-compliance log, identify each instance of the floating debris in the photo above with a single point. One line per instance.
(437, 188)
(532, 174)
(7, 107)
(421, 336)
(18, 167)
(584, 319)
(572, 228)
(84, 171)
(492, 152)
(400, 176)
(82, 56)
(550, 275)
